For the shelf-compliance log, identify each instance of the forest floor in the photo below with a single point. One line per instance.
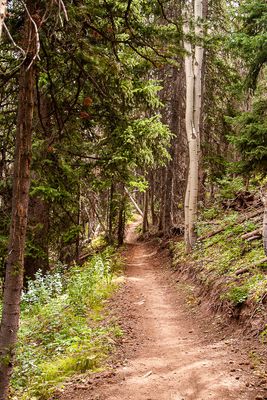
(170, 351)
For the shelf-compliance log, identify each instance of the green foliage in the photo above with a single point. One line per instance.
(229, 186)
(251, 40)
(250, 138)
(237, 295)
(210, 213)
(42, 289)
(252, 287)
(217, 259)
(250, 43)
(61, 332)
(96, 114)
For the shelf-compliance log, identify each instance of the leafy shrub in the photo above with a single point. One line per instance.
(210, 213)
(42, 288)
(230, 186)
(237, 295)
(60, 332)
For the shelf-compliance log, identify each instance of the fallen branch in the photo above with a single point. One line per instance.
(239, 221)
(256, 237)
(260, 262)
(242, 271)
(248, 269)
(258, 218)
(256, 232)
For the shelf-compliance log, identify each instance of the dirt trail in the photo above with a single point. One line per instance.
(176, 359)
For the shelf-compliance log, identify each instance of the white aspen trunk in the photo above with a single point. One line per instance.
(198, 65)
(193, 75)
(198, 100)
(189, 123)
(3, 8)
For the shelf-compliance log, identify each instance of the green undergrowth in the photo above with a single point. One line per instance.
(217, 259)
(63, 326)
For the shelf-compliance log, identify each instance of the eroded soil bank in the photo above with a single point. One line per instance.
(169, 351)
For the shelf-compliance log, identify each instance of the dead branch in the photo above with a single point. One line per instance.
(260, 262)
(256, 237)
(239, 221)
(62, 7)
(256, 232)
(242, 271)
(138, 209)
(37, 38)
(13, 41)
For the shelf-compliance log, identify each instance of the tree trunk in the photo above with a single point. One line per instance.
(192, 140)
(38, 213)
(152, 199)
(38, 226)
(111, 213)
(193, 73)
(162, 199)
(145, 217)
(21, 183)
(264, 228)
(121, 223)
(3, 8)
(174, 126)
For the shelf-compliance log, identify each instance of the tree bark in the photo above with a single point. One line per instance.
(162, 199)
(192, 140)
(111, 213)
(21, 183)
(121, 223)
(264, 227)
(38, 213)
(38, 225)
(3, 9)
(152, 199)
(175, 106)
(193, 73)
(145, 216)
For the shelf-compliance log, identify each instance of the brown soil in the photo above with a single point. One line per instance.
(169, 351)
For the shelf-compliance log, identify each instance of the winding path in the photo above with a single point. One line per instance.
(176, 359)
